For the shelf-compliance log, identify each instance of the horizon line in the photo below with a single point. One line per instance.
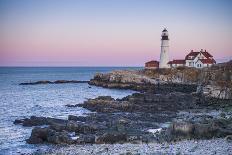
(72, 66)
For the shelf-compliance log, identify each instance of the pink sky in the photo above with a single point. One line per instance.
(106, 39)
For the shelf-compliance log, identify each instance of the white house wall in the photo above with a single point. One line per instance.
(199, 56)
(177, 65)
(187, 63)
(199, 64)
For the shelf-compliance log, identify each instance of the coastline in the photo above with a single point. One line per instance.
(191, 115)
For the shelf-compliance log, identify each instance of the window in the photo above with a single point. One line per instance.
(189, 63)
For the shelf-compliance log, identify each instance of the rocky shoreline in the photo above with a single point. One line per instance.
(138, 118)
(161, 112)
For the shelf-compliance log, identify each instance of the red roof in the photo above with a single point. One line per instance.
(177, 62)
(207, 61)
(152, 63)
(193, 54)
(206, 54)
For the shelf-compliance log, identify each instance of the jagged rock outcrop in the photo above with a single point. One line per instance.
(215, 81)
(135, 80)
(217, 91)
(123, 80)
(147, 103)
(204, 129)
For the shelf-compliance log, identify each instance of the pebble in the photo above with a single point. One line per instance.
(216, 146)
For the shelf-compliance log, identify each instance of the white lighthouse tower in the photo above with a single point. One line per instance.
(164, 58)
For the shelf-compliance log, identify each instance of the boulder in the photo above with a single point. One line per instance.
(38, 135)
(77, 118)
(59, 137)
(205, 129)
(112, 137)
(182, 128)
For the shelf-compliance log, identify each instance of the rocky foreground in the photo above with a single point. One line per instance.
(196, 147)
(162, 112)
(138, 118)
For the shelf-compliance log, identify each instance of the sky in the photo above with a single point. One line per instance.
(110, 32)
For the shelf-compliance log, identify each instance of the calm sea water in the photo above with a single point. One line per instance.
(17, 101)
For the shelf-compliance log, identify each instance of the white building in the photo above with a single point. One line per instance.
(199, 59)
(193, 59)
(164, 54)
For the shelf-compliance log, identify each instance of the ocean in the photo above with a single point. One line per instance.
(21, 101)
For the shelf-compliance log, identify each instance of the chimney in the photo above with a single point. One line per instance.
(191, 50)
(201, 50)
(205, 50)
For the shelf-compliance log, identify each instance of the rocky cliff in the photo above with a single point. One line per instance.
(215, 81)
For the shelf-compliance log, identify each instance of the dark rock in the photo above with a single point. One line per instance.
(146, 103)
(77, 118)
(85, 139)
(72, 117)
(38, 135)
(58, 126)
(32, 121)
(59, 137)
(105, 98)
(53, 82)
(198, 130)
(184, 128)
(37, 121)
(70, 105)
(73, 126)
(111, 138)
(35, 83)
(41, 135)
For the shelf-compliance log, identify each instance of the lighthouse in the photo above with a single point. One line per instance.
(164, 58)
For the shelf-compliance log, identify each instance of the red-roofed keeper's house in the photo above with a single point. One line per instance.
(199, 59)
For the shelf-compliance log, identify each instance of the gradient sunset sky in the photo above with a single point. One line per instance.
(110, 32)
